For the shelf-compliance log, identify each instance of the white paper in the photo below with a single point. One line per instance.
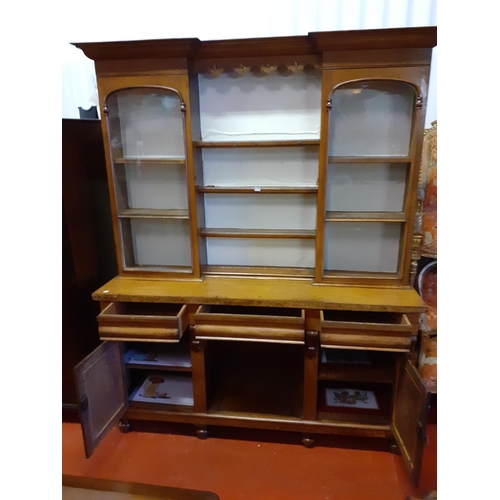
(351, 398)
(165, 389)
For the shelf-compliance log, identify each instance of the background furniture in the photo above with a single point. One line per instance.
(263, 195)
(427, 277)
(87, 244)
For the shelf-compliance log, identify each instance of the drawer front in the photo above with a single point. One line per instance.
(144, 322)
(272, 325)
(387, 332)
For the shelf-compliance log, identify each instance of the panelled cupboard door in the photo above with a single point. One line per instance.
(100, 381)
(410, 418)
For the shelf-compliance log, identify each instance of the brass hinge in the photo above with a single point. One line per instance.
(328, 104)
(419, 102)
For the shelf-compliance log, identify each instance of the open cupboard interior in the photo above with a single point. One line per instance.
(263, 194)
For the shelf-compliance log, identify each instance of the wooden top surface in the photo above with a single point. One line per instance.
(261, 292)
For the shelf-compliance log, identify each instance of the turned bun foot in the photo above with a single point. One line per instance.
(308, 441)
(202, 432)
(124, 426)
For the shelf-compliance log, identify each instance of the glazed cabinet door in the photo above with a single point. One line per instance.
(409, 418)
(368, 173)
(102, 396)
(148, 137)
(147, 147)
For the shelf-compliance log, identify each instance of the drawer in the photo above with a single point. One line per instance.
(377, 331)
(143, 321)
(251, 324)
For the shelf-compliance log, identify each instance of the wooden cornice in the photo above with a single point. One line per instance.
(139, 49)
(392, 38)
(275, 46)
(312, 44)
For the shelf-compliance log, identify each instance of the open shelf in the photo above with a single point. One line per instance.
(365, 217)
(259, 233)
(159, 357)
(256, 379)
(356, 366)
(253, 144)
(153, 213)
(259, 189)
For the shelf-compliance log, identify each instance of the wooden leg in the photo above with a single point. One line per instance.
(124, 426)
(202, 432)
(308, 441)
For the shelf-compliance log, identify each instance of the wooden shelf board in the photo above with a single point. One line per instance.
(154, 213)
(150, 161)
(158, 367)
(258, 189)
(256, 144)
(332, 274)
(365, 216)
(350, 428)
(259, 233)
(369, 159)
(156, 407)
(292, 272)
(159, 269)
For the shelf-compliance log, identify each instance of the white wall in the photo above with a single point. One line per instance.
(226, 19)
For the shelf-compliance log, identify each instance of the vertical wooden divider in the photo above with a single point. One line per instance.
(199, 375)
(192, 134)
(322, 175)
(311, 352)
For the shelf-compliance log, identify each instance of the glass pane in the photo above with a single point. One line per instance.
(294, 166)
(371, 119)
(152, 186)
(260, 211)
(258, 108)
(158, 243)
(145, 123)
(260, 252)
(366, 246)
(366, 187)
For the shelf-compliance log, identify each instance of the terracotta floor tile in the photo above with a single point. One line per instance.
(245, 468)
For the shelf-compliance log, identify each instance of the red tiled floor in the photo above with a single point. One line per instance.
(244, 469)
